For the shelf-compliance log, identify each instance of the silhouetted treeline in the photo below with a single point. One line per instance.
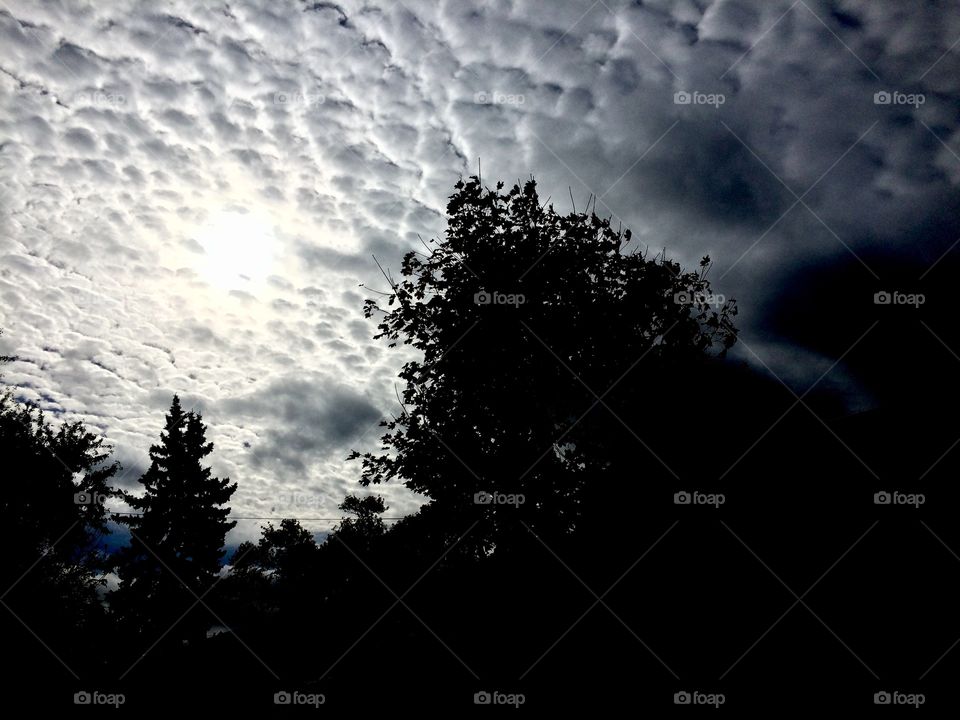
(617, 512)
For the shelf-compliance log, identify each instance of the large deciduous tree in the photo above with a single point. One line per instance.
(524, 319)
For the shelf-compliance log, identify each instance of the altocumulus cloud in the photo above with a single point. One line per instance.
(192, 192)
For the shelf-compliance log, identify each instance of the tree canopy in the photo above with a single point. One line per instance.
(523, 317)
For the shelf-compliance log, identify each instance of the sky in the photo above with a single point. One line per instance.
(192, 194)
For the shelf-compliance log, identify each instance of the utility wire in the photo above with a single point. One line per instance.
(243, 517)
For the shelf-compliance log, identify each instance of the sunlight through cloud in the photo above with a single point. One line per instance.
(238, 249)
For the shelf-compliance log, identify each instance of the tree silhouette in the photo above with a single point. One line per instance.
(52, 520)
(523, 317)
(284, 552)
(6, 358)
(274, 580)
(366, 526)
(177, 541)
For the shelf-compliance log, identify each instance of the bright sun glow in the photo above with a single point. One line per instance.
(238, 249)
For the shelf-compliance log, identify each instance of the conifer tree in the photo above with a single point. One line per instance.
(178, 537)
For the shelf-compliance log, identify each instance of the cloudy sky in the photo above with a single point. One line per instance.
(192, 192)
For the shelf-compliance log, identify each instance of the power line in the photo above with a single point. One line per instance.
(246, 517)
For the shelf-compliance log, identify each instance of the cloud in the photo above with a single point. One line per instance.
(307, 418)
(343, 126)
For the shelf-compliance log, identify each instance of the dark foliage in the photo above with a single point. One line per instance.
(52, 519)
(177, 540)
(568, 392)
(491, 406)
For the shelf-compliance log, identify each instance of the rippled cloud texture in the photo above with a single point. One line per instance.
(192, 192)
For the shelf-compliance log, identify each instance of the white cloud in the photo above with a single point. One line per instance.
(128, 128)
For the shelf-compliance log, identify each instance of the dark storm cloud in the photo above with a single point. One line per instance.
(307, 417)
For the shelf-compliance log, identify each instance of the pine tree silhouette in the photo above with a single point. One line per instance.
(177, 541)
